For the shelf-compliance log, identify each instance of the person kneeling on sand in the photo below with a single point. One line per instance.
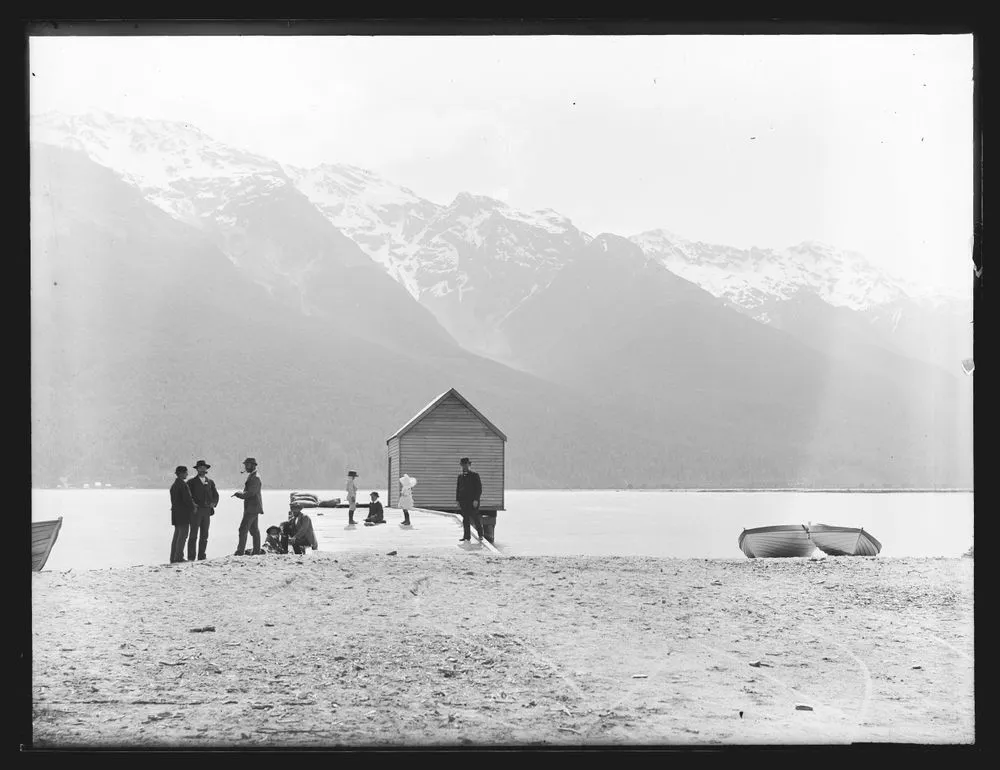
(374, 512)
(297, 532)
(272, 543)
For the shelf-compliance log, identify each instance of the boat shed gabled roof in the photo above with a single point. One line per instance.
(433, 404)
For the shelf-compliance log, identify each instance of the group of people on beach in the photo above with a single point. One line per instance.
(193, 502)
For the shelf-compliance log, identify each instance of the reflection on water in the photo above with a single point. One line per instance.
(112, 528)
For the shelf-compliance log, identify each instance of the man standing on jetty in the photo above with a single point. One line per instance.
(181, 512)
(352, 495)
(253, 507)
(468, 490)
(206, 497)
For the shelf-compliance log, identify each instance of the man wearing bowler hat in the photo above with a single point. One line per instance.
(206, 497)
(468, 490)
(253, 507)
(181, 511)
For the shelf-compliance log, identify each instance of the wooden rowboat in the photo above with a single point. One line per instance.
(843, 541)
(782, 540)
(43, 537)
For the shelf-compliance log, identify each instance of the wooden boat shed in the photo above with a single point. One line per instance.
(429, 446)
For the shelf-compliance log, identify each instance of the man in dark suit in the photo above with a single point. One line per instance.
(468, 490)
(206, 497)
(298, 532)
(253, 507)
(181, 511)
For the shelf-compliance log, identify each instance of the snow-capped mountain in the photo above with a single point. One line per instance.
(776, 286)
(250, 209)
(709, 395)
(476, 260)
(381, 217)
(615, 321)
(749, 277)
(175, 165)
(470, 262)
(479, 259)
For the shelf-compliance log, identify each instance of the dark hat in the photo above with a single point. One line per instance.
(465, 461)
(273, 530)
(201, 463)
(181, 469)
(352, 473)
(374, 494)
(250, 460)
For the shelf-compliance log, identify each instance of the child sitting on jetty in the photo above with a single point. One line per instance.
(374, 512)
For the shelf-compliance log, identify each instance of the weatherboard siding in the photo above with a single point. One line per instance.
(430, 450)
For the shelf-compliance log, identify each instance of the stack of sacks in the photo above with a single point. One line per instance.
(303, 500)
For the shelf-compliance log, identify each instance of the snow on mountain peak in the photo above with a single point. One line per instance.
(165, 160)
(748, 277)
(329, 180)
(479, 207)
(659, 236)
(147, 148)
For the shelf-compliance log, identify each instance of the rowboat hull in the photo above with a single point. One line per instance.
(844, 541)
(43, 537)
(784, 540)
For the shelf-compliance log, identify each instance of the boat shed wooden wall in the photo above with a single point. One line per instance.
(430, 449)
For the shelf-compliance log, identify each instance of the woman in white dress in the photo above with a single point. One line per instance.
(406, 485)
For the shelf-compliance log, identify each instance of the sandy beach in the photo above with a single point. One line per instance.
(471, 648)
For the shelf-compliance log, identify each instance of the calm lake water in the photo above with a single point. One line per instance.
(123, 527)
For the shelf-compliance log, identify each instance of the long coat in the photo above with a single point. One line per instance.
(300, 532)
(252, 502)
(181, 503)
(204, 496)
(468, 489)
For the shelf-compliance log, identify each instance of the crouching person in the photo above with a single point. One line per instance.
(298, 533)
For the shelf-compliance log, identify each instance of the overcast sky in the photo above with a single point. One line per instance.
(863, 142)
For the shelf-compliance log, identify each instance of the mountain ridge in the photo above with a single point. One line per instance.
(479, 269)
(151, 347)
(387, 221)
